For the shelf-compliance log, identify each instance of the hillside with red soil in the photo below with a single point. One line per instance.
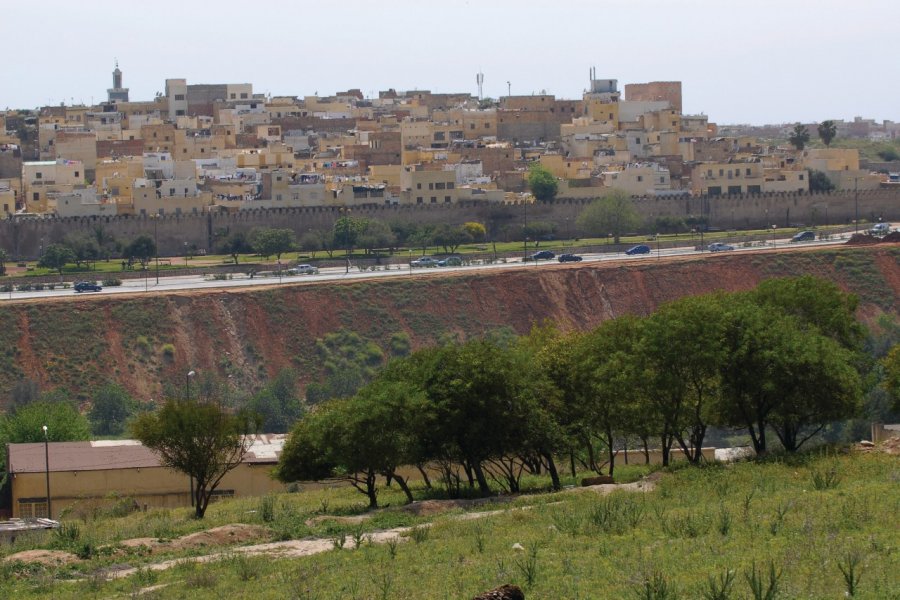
(247, 336)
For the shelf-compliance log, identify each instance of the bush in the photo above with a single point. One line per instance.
(6, 288)
(111, 282)
(168, 351)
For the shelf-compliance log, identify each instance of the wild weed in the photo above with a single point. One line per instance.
(656, 587)
(851, 571)
(762, 587)
(826, 479)
(528, 565)
(719, 587)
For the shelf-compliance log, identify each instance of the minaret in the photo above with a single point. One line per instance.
(117, 93)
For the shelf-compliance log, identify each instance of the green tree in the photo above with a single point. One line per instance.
(4, 257)
(542, 183)
(106, 242)
(141, 249)
(111, 407)
(25, 423)
(819, 181)
(827, 132)
(539, 230)
(266, 241)
(56, 257)
(346, 232)
(372, 433)
(84, 248)
(891, 383)
(312, 242)
(683, 352)
(202, 440)
(799, 136)
(476, 231)
(450, 237)
(888, 154)
(375, 234)
(278, 404)
(234, 245)
(613, 214)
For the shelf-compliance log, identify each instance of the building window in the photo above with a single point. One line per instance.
(734, 189)
(446, 198)
(440, 185)
(219, 494)
(243, 95)
(721, 172)
(419, 199)
(38, 176)
(76, 174)
(430, 186)
(748, 172)
(179, 96)
(434, 199)
(33, 508)
(640, 178)
(450, 185)
(418, 186)
(471, 125)
(801, 177)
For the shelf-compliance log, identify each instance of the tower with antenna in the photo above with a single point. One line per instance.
(117, 93)
(479, 78)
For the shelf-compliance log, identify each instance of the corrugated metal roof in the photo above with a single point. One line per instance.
(117, 454)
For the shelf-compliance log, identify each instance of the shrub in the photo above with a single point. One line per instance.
(6, 288)
(168, 351)
(111, 282)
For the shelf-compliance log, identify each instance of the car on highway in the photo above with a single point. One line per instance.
(425, 261)
(450, 261)
(639, 249)
(719, 247)
(880, 229)
(569, 258)
(804, 236)
(304, 270)
(87, 286)
(543, 255)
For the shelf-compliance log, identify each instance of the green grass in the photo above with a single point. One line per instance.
(696, 528)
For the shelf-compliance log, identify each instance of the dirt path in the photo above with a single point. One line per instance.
(308, 547)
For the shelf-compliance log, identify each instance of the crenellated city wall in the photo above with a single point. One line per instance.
(25, 237)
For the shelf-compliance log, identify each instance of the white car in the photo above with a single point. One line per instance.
(304, 270)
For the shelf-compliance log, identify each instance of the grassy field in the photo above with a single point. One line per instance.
(812, 527)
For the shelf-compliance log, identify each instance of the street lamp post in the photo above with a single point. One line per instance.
(187, 394)
(856, 203)
(658, 255)
(774, 241)
(156, 244)
(525, 230)
(187, 384)
(47, 469)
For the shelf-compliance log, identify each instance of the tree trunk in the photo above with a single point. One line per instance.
(483, 486)
(554, 475)
(371, 491)
(403, 486)
(468, 469)
(572, 463)
(646, 444)
(424, 476)
(611, 452)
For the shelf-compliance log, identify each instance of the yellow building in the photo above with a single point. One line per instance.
(715, 179)
(86, 474)
(420, 185)
(43, 180)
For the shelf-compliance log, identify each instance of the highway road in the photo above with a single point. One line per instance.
(197, 282)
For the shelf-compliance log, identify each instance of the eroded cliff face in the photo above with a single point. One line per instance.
(249, 335)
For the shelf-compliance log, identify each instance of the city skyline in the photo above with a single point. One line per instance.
(800, 61)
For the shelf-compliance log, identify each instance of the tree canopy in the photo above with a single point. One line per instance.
(782, 360)
(56, 257)
(799, 136)
(141, 248)
(827, 131)
(268, 241)
(613, 214)
(542, 183)
(200, 439)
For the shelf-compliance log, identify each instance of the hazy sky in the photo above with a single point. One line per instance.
(759, 61)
